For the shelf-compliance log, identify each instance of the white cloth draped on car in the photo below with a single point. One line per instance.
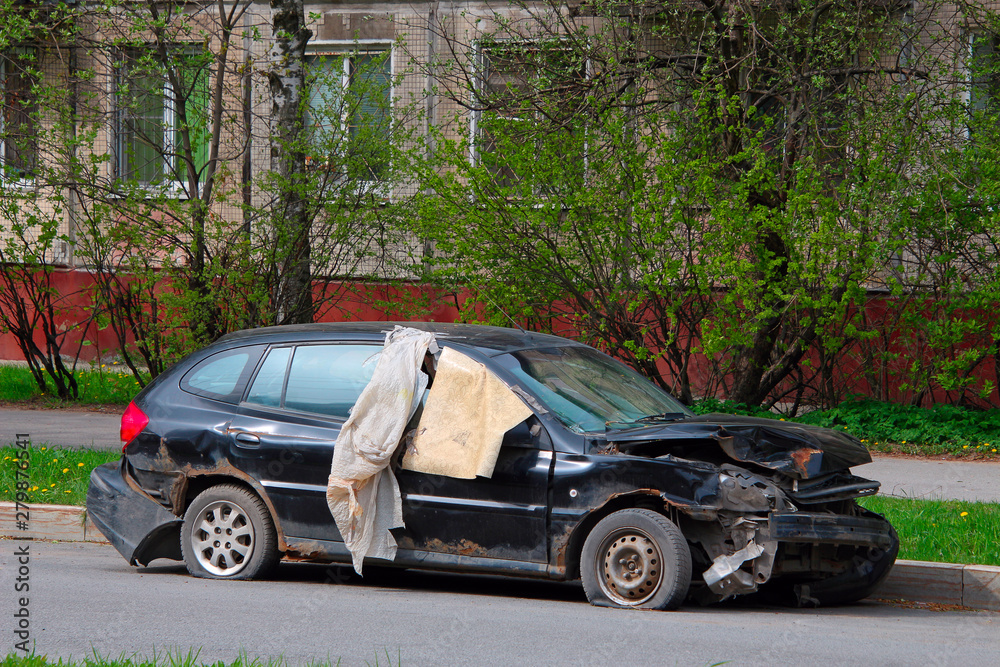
(362, 492)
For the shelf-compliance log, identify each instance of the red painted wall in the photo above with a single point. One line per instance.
(387, 302)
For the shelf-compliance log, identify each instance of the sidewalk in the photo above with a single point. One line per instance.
(69, 428)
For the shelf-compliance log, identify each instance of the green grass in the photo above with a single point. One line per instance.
(16, 384)
(158, 659)
(99, 385)
(55, 476)
(944, 531)
(891, 428)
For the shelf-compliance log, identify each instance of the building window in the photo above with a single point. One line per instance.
(151, 115)
(520, 87)
(984, 74)
(350, 112)
(18, 143)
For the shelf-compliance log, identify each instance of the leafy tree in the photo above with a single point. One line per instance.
(713, 190)
(150, 119)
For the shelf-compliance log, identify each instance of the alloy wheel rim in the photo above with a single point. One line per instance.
(223, 538)
(630, 566)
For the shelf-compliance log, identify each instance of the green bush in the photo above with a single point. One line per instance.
(887, 427)
(941, 429)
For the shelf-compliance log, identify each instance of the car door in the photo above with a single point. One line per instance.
(284, 431)
(503, 516)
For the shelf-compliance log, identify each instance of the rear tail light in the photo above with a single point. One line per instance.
(133, 421)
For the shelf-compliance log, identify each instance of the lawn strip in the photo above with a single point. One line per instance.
(57, 476)
(942, 531)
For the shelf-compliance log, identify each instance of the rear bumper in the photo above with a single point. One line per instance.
(804, 527)
(136, 525)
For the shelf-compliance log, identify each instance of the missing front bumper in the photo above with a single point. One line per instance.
(757, 542)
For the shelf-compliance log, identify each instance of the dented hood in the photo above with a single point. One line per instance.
(798, 450)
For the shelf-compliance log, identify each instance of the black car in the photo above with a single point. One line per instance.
(610, 480)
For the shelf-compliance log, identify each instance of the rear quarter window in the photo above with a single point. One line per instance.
(224, 375)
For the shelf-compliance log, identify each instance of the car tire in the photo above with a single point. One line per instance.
(228, 534)
(636, 558)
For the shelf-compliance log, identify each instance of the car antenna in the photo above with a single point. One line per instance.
(512, 320)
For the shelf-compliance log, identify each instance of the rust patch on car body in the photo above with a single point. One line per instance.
(805, 459)
(460, 548)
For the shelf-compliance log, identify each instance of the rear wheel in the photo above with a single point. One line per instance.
(228, 534)
(636, 558)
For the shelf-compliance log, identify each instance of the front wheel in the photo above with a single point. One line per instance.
(636, 558)
(228, 534)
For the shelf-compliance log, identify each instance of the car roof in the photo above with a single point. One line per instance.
(486, 338)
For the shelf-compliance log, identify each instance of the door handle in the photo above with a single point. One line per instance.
(244, 439)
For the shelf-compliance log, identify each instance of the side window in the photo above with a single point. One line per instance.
(322, 379)
(329, 378)
(270, 380)
(223, 376)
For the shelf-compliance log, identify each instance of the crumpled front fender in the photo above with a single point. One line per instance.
(135, 524)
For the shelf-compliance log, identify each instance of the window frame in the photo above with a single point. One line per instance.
(26, 178)
(171, 167)
(480, 81)
(347, 52)
(992, 78)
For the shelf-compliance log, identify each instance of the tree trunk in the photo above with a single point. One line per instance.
(292, 300)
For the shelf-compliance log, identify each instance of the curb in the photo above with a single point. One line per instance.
(973, 586)
(67, 523)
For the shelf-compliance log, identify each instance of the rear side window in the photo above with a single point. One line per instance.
(224, 375)
(321, 379)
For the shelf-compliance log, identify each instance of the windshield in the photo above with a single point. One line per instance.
(589, 391)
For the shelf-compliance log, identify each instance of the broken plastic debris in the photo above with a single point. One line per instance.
(725, 575)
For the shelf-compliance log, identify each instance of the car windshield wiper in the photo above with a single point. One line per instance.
(650, 419)
(663, 417)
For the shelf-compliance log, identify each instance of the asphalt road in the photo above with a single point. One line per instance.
(84, 598)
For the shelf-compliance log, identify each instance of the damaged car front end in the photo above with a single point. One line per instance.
(607, 479)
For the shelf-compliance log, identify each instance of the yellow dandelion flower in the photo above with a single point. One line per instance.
(34, 488)
(964, 514)
(52, 484)
(79, 465)
(904, 442)
(65, 470)
(965, 446)
(45, 490)
(67, 491)
(994, 450)
(55, 460)
(43, 449)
